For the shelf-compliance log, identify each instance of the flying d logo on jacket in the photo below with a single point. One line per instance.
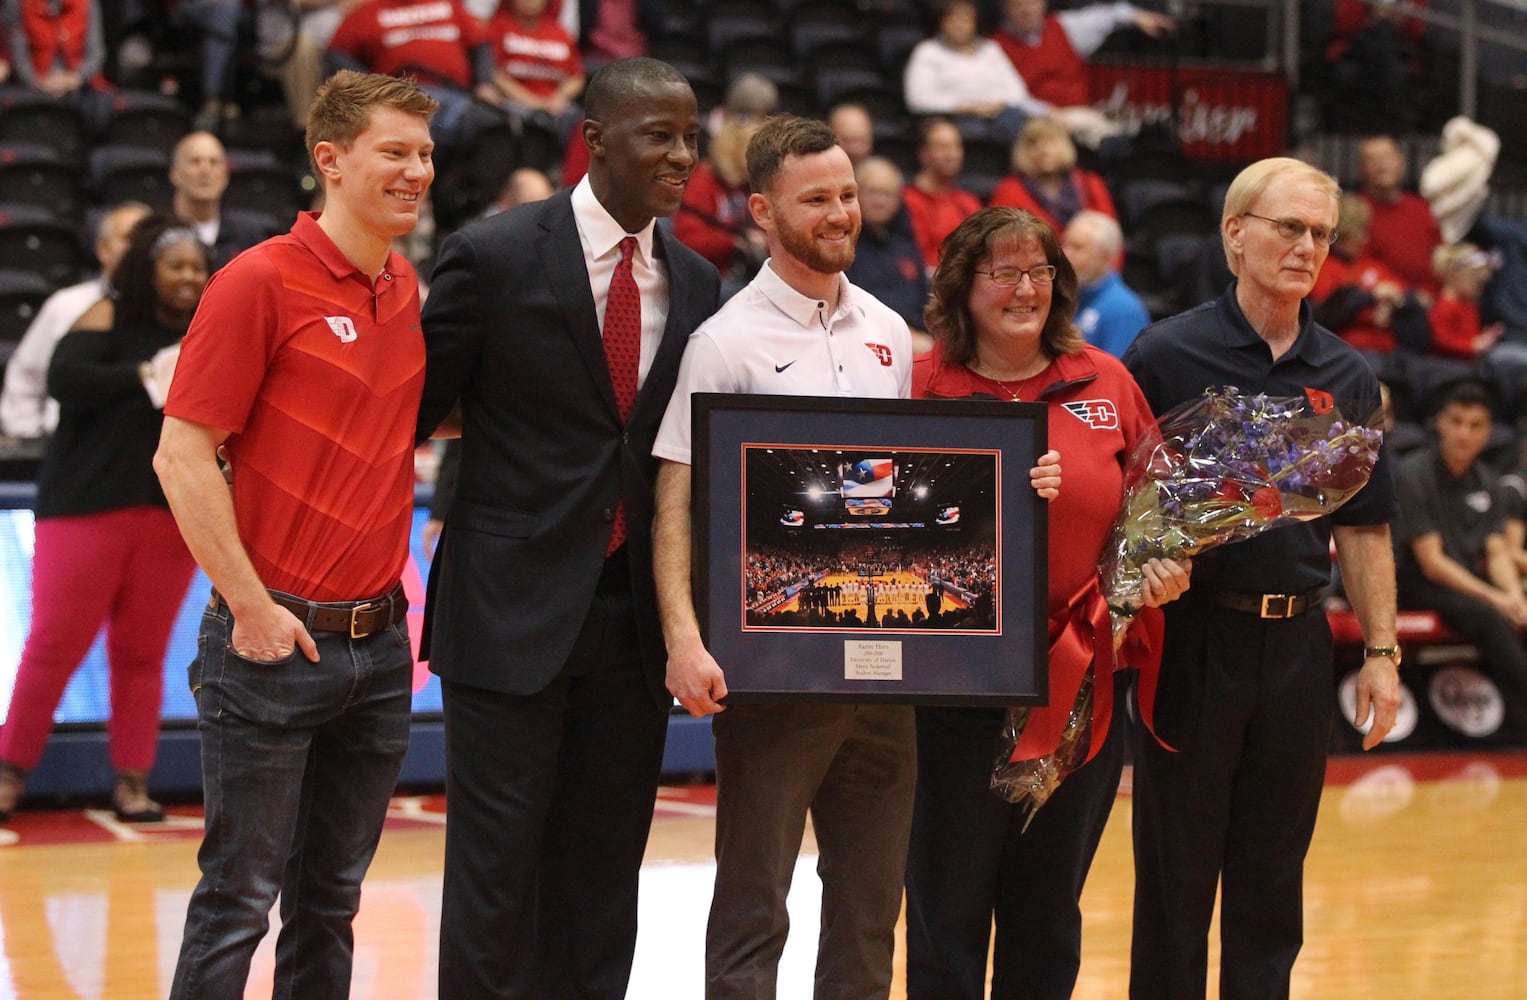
(1099, 414)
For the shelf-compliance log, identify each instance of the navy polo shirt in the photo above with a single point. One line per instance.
(1213, 345)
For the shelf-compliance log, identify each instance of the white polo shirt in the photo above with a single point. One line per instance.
(771, 340)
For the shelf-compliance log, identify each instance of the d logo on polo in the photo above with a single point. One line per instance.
(343, 327)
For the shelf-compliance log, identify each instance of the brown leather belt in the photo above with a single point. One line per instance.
(1269, 605)
(357, 619)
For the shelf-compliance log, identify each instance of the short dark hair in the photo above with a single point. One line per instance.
(1467, 392)
(925, 127)
(947, 316)
(615, 83)
(781, 137)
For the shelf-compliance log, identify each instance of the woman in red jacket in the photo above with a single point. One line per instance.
(1046, 180)
(1003, 300)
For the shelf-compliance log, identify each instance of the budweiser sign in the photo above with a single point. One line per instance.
(1218, 114)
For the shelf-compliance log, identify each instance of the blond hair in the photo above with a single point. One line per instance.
(1449, 259)
(1033, 131)
(1252, 181)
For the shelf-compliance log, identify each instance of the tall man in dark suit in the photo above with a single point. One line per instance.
(542, 621)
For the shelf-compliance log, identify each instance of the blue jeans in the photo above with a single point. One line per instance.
(299, 760)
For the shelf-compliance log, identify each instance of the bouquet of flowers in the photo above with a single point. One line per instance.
(1225, 467)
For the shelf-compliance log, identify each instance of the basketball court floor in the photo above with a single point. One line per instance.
(1416, 889)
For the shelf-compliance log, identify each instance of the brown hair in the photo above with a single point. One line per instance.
(976, 240)
(781, 137)
(341, 109)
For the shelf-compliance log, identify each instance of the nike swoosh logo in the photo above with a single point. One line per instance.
(780, 368)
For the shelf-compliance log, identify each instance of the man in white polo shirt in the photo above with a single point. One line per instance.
(799, 328)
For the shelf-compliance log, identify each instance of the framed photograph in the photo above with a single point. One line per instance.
(871, 549)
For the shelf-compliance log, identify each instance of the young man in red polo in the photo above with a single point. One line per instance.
(303, 368)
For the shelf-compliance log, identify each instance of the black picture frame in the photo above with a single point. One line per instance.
(793, 625)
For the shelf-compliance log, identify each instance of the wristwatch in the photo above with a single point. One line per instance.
(1392, 652)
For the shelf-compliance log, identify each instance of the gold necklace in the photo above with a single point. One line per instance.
(1006, 385)
(1012, 393)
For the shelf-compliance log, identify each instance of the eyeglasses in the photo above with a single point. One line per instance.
(1293, 230)
(1039, 274)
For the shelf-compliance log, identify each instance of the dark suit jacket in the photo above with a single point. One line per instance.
(511, 332)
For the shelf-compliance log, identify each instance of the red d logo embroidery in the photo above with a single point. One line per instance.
(882, 352)
(1320, 402)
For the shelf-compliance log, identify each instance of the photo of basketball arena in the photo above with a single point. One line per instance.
(844, 539)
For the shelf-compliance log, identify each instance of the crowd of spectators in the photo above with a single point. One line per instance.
(1015, 71)
(971, 571)
(968, 574)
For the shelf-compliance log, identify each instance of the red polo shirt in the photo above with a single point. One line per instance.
(317, 377)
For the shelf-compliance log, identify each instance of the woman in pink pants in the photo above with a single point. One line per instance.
(107, 549)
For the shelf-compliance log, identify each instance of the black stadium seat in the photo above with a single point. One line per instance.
(34, 239)
(1136, 195)
(31, 117)
(22, 293)
(761, 54)
(33, 174)
(833, 83)
(264, 187)
(146, 119)
(131, 173)
(733, 19)
(813, 27)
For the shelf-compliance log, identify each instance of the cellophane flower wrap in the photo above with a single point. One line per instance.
(1226, 466)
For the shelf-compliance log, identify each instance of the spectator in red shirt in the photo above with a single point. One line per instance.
(616, 29)
(713, 219)
(1050, 50)
(56, 49)
(1403, 232)
(438, 43)
(935, 203)
(538, 68)
(1463, 270)
(1046, 180)
(1362, 300)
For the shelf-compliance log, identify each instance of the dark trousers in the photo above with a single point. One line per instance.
(299, 761)
(853, 768)
(971, 861)
(1501, 652)
(1248, 705)
(548, 805)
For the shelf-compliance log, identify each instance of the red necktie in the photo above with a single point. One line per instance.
(623, 349)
